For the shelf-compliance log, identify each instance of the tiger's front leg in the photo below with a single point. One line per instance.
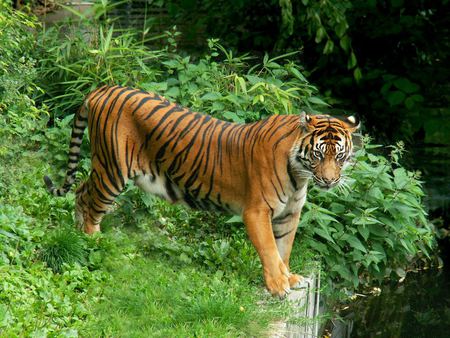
(259, 228)
(284, 231)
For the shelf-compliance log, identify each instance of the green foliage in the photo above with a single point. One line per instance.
(75, 62)
(219, 83)
(17, 71)
(63, 246)
(57, 282)
(233, 91)
(374, 227)
(354, 50)
(34, 301)
(205, 239)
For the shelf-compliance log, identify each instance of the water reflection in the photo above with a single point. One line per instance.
(418, 307)
(434, 163)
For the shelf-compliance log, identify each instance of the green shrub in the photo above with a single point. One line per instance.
(63, 246)
(36, 302)
(17, 71)
(80, 57)
(375, 226)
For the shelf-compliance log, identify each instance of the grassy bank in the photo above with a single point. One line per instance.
(156, 270)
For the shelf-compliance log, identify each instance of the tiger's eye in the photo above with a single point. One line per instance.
(317, 154)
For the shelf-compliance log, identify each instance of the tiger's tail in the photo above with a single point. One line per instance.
(79, 125)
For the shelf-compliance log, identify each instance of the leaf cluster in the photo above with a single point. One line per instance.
(375, 226)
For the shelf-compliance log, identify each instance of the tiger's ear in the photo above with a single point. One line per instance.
(306, 121)
(353, 123)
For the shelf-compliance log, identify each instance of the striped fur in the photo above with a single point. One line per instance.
(258, 170)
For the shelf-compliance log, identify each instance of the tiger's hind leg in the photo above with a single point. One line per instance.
(93, 201)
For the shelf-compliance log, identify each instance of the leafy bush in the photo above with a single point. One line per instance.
(373, 229)
(375, 226)
(226, 86)
(80, 57)
(17, 71)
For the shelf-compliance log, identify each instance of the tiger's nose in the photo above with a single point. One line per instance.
(330, 182)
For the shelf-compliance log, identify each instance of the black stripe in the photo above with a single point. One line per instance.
(283, 235)
(170, 191)
(161, 105)
(282, 219)
(291, 176)
(276, 192)
(166, 115)
(265, 200)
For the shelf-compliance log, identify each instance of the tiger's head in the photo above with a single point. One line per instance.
(323, 148)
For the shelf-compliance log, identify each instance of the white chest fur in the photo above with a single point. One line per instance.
(294, 203)
(158, 186)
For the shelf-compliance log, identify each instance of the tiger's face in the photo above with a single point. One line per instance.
(324, 148)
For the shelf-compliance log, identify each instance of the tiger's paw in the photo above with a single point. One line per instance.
(278, 285)
(91, 229)
(295, 281)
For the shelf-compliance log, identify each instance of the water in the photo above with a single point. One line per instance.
(420, 306)
(434, 163)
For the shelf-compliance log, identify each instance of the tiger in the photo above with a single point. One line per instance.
(257, 170)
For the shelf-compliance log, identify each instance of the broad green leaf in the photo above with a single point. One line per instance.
(242, 84)
(344, 42)
(253, 79)
(378, 230)
(395, 97)
(232, 116)
(341, 28)
(342, 271)
(157, 87)
(173, 92)
(357, 74)
(217, 106)
(401, 178)
(355, 243)
(235, 219)
(171, 63)
(364, 231)
(376, 193)
(211, 96)
(297, 74)
(323, 233)
(329, 46)
(337, 208)
(320, 33)
(318, 246)
(318, 101)
(413, 100)
(351, 61)
(406, 86)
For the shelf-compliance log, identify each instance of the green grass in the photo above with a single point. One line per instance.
(150, 295)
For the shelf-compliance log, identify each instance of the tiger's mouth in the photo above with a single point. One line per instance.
(325, 183)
